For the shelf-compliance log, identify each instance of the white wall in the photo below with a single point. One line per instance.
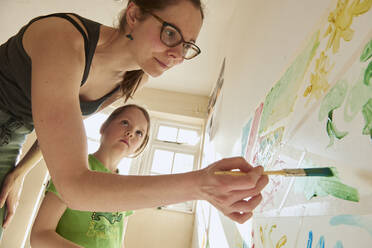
(159, 228)
(263, 39)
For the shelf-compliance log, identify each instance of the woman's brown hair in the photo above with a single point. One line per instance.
(132, 79)
(120, 110)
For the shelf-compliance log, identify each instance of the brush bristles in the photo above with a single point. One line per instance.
(319, 172)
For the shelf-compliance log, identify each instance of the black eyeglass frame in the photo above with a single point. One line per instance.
(164, 24)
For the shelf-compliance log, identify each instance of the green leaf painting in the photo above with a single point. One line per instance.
(333, 100)
(280, 100)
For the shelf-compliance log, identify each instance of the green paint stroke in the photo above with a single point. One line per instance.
(333, 100)
(324, 186)
(368, 74)
(363, 222)
(281, 98)
(332, 131)
(367, 114)
(367, 52)
(357, 97)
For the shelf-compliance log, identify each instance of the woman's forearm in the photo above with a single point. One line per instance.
(31, 158)
(94, 191)
(50, 238)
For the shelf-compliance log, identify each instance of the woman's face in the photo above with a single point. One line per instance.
(152, 55)
(126, 132)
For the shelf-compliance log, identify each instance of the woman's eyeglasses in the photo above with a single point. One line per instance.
(171, 36)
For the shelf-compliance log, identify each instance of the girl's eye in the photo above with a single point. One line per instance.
(139, 133)
(125, 123)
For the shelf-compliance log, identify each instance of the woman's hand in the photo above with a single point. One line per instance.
(229, 193)
(11, 193)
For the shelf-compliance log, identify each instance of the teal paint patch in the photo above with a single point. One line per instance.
(367, 114)
(245, 135)
(357, 97)
(353, 220)
(339, 244)
(367, 52)
(280, 100)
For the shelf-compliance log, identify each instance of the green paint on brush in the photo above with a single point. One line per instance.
(367, 114)
(367, 52)
(320, 172)
(280, 100)
(357, 97)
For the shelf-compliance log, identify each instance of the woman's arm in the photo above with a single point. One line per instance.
(13, 183)
(43, 233)
(57, 68)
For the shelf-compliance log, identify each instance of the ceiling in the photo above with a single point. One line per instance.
(196, 76)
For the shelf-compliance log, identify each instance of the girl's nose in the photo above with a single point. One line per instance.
(129, 133)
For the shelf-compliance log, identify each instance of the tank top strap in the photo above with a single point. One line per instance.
(90, 40)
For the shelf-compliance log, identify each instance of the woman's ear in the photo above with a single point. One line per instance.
(132, 15)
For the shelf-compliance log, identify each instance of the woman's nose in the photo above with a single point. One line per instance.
(176, 53)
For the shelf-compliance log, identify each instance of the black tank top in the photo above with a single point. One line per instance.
(15, 70)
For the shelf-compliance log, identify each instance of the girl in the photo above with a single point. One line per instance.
(78, 67)
(123, 134)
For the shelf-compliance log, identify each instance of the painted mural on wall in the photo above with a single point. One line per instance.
(319, 109)
(315, 113)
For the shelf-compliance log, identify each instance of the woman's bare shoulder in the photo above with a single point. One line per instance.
(55, 33)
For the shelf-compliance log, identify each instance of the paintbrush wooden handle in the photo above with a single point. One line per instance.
(240, 173)
(286, 172)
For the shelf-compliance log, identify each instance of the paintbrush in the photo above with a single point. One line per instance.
(303, 172)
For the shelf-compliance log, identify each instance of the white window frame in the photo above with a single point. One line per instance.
(154, 144)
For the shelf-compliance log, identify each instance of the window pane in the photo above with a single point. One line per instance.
(162, 162)
(167, 133)
(190, 137)
(93, 124)
(183, 163)
(92, 146)
(124, 166)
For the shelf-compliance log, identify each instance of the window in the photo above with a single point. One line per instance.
(174, 148)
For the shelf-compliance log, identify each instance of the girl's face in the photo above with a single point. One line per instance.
(126, 132)
(151, 54)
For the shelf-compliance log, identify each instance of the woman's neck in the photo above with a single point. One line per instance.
(114, 51)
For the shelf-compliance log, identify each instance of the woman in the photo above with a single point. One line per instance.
(153, 37)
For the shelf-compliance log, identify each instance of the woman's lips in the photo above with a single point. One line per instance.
(126, 142)
(162, 64)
